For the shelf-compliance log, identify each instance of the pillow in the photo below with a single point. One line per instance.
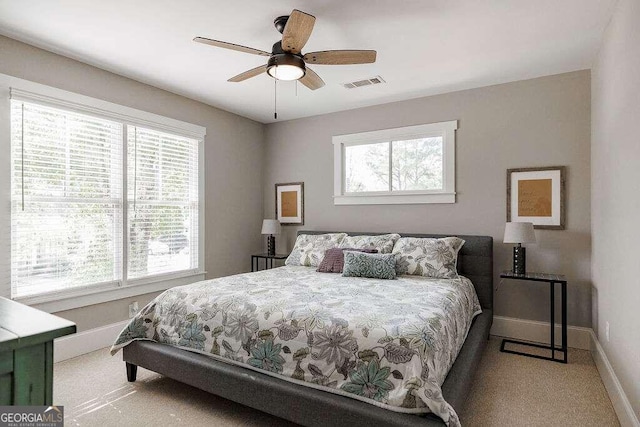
(428, 257)
(333, 260)
(383, 243)
(375, 266)
(309, 248)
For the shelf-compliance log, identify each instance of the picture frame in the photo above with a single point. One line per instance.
(290, 203)
(537, 195)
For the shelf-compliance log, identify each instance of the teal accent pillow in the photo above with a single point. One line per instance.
(375, 266)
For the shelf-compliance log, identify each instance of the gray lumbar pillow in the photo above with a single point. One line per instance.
(376, 266)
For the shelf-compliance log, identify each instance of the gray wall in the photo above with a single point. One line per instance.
(615, 201)
(233, 160)
(540, 122)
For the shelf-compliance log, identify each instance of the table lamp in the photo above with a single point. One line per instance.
(271, 227)
(519, 232)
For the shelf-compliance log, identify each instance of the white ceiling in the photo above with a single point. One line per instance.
(424, 47)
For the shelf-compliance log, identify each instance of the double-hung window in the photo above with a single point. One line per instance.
(414, 164)
(162, 202)
(66, 204)
(99, 201)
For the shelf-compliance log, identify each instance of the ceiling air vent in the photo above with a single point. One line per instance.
(366, 82)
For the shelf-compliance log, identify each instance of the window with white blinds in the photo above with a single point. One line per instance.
(66, 200)
(69, 226)
(163, 202)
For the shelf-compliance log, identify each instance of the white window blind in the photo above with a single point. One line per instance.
(103, 201)
(66, 200)
(163, 202)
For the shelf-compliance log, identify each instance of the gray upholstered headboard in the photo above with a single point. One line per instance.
(475, 260)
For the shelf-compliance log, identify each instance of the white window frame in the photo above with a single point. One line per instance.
(12, 87)
(446, 130)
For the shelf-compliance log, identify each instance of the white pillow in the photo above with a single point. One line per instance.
(428, 257)
(309, 248)
(383, 243)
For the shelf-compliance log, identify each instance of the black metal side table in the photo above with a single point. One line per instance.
(268, 260)
(552, 279)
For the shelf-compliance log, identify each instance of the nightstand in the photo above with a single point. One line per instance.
(552, 280)
(268, 260)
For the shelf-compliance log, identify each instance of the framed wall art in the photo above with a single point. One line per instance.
(290, 203)
(536, 195)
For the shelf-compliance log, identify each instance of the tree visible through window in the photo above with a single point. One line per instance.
(407, 165)
(410, 165)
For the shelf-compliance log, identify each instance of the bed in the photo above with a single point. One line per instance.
(252, 371)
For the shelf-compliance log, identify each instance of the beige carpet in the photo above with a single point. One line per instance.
(512, 390)
(509, 390)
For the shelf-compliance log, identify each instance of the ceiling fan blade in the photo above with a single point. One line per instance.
(297, 31)
(248, 74)
(312, 80)
(231, 46)
(341, 57)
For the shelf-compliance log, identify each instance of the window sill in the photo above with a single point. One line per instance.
(54, 303)
(395, 199)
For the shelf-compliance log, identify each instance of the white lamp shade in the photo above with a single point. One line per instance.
(519, 232)
(270, 226)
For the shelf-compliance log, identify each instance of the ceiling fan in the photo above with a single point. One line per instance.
(286, 61)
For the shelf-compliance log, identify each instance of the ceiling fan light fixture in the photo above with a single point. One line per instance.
(286, 72)
(286, 67)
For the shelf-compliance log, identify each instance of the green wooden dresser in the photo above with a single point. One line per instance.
(26, 353)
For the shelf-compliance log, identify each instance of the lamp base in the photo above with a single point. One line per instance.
(271, 245)
(519, 260)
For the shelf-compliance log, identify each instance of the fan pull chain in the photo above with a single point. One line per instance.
(135, 171)
(275, 99)
(22, 152)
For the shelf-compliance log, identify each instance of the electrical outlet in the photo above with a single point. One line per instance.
(606, 330)
(133, 310)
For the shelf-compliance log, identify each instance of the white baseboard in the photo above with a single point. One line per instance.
(618, 397)
(87, 341)
(531, 330)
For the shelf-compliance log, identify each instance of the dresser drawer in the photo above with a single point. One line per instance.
(6, 377)
(6, 362)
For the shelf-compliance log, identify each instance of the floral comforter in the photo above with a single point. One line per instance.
(390, 343)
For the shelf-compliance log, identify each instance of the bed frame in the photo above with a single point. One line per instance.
(311, 407)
